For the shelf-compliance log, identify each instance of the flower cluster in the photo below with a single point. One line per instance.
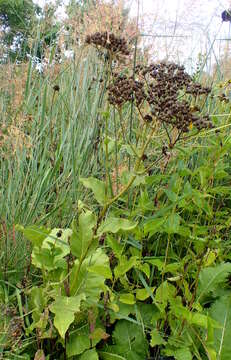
(109, 41)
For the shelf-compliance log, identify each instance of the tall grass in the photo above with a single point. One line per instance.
(40, 184)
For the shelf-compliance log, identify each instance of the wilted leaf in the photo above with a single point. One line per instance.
(39, 355)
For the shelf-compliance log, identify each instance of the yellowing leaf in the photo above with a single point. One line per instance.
(127, 299)
(143, 294)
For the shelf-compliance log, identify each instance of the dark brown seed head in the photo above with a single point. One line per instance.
(56, 88)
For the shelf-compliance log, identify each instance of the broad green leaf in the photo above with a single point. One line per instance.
(145, 268)
(125, 265)
(114, 225)
(33, 233)
(50, 255)
(127, 299)
(183, 354)
(89, 355)
(104, 355)
(115, 245)
(221, 312)
(58, 239)
(211, 278)
(65, 309)
(129, 341)
(90, 278)
(172, 224)
(164, 293)
(78, 342)
(199, 319)
(82, 234)
(156, 262)
(37, 298)
(143, 294)
(156, 338)
(172, 196)
(102, 269)
(98, 187)
(153, 226)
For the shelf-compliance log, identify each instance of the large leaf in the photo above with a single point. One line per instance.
(91, 276)
(183, 354)
(82, 234)
(114, 225)
(50, 255)
(172, 224)
(78, 342)
(164, 293)
(65, 309)
(110, 356)
(89, 355)
(221, 312)
(129, 341)
(156, 338)
(153, 226)
(98, 187)
(125, 265)
(127, 298)
(33, 233)
(211, 278)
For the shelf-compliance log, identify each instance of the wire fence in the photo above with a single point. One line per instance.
(192, 32)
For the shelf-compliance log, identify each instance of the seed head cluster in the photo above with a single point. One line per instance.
(165, 87)
(124, 89)
(109, 41)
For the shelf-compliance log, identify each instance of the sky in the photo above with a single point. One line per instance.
(185, 27)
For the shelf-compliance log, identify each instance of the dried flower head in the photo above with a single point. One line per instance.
(167, 86)
(108, 41)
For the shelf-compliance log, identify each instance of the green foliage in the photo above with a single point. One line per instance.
(221, 312)
(129, 341)
(211, 279)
